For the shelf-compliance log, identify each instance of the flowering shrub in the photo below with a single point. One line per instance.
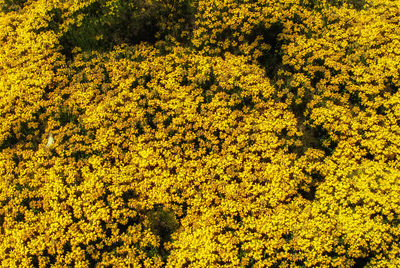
(177, 133)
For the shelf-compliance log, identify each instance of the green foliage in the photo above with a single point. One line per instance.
(162, 223)
(124, 22)
(11, 5)
(104, 26)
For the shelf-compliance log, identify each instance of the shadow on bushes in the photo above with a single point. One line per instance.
(271, 60)
(128, 23)
(12, 5)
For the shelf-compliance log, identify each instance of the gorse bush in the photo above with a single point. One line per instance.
(177, 133)
(322, 4)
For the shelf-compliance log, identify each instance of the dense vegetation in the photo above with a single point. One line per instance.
(199, 133)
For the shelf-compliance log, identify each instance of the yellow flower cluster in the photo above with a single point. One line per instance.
(172, 133)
